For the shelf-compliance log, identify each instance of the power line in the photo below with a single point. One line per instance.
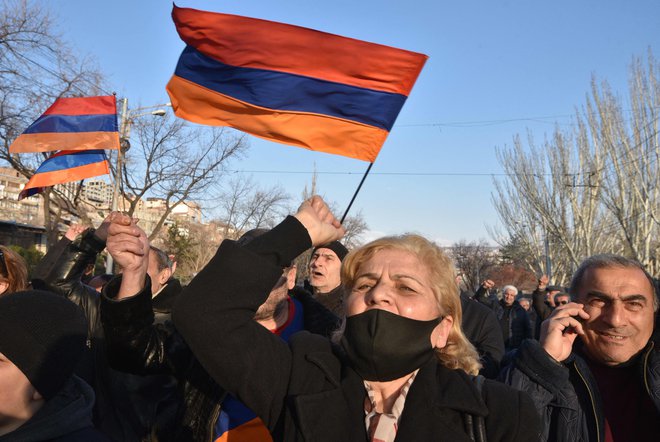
(477, 123)
(298, 172)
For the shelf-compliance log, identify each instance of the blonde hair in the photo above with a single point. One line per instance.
(459, 352)
(14, 271)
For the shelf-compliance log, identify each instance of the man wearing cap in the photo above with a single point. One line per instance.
(324, 275)
(42, 338)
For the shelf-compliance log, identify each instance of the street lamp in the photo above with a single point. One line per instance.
(127, 118)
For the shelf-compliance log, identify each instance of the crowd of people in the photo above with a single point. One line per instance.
(378, 344)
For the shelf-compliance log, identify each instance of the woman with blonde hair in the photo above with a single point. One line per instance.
(458, 353)
(383, 381)
(13, 271)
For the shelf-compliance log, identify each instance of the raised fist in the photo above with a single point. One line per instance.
(320, 222)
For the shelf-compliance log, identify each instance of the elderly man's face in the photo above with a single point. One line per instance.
(619, 301)
(524, 303)
(509, 296)
(324, 270)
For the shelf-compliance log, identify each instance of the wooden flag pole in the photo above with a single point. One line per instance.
(356, 192)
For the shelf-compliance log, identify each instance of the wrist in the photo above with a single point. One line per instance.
(132, 283)
(551, 357)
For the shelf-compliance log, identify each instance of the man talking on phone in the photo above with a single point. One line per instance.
(594, 375)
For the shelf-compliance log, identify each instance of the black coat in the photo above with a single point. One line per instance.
(127, 407)
(480, 326)
(333, 300)
(138, 342)
(304, 391)
(542, 309)
(516, 324)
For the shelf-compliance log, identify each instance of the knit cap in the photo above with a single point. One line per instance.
(336, 247)
(44, 335)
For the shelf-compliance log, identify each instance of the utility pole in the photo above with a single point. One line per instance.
(548, 263)
(126, 120)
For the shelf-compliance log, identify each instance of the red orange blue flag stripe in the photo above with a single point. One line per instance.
(290, 84)
(72, 124)
(63, 167)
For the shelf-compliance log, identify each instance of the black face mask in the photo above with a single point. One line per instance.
(382, 346)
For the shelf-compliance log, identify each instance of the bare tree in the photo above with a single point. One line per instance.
(173, 161)
(355, 224)
(631, 143)
(36, 67)
(473, 260)
(247, 206)
(591, 189)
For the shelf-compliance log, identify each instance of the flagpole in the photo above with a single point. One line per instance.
(356, 192)
(109, 263)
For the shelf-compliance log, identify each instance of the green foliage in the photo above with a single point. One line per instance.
(179, 243)
(31, 255)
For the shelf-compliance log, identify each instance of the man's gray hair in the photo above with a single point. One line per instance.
(608, 260)
(509, 287)
(162, 259)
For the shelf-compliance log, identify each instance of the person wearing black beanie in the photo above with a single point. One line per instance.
(42, 338)
(325, 276)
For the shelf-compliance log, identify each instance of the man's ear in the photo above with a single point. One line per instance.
(291, 277)
(164, 275)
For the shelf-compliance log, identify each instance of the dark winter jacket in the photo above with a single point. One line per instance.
(516, 322)
(566, 394)
(303, 390)
(480, 327)
(163, 303)
(127, 407)
(333, 300)
(66, 417)
(139, 343)
(542, 309)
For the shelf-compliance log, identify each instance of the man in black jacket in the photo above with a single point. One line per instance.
(543, 301)
(595, 375)
(128, 407)
(136, 343)
(513, 319)
(324, 276)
